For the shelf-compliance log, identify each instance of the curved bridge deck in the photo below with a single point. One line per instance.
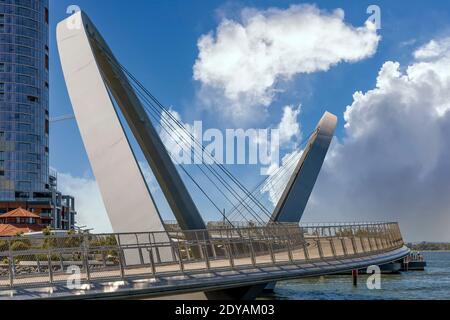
(158, 263)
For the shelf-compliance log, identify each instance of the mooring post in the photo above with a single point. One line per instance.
(355, 277)
(406, 263)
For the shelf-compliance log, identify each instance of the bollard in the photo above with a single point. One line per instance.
(355, 277)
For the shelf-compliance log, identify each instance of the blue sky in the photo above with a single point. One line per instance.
(157, 41)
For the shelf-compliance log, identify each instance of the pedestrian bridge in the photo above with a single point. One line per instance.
(213, 262)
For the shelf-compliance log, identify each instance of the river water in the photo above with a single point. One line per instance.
(433, 283)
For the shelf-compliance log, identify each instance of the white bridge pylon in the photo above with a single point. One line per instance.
(94, 77)
(91, 73)
(295, 196)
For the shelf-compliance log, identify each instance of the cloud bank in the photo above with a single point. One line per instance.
(240, 64)
(91, 211)
(394, 161)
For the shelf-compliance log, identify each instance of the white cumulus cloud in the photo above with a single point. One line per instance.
(289, 126)
(240, 64)
(89, 205)
(433, 49)
(394, 161)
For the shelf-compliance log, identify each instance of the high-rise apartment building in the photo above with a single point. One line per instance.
(25, 179)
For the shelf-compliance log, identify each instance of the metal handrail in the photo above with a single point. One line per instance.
(40, 260)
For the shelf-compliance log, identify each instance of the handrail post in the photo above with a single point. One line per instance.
(378, 242)
(180, 258)
(121, 262)
(61, 261)
(152, 261)
(399, 233)
(363, 246)
(272, 255)
(375, 237)
(104, 258)
(361, 239)
(355, 248)
(383, 237)
(344, 247)
(213, 248)
(369, 234)
(205, 253)
(319, 247)
(252, 252)
(172, 251)
(387, 236)
(10, 265)
(86, 258)
(333, 249)
(290, 255)
(38, 264)
(305, 249)
(50, 267)
(141, 256)
(199, 245)
(158, 254)
(188, 249)
(230, 253)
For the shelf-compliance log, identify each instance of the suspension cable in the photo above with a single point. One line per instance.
(181, 126)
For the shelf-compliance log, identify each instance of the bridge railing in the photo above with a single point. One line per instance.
(43, 260)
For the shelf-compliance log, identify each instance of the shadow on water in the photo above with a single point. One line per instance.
(433, 283)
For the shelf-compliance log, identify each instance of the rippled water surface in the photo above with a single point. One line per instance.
(433, 283)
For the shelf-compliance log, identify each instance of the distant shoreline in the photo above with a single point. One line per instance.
(429, 246)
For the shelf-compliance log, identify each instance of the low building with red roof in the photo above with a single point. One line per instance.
(19, 221)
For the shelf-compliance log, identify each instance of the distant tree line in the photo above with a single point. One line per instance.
(421, 246)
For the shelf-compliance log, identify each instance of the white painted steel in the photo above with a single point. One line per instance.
(126, 196)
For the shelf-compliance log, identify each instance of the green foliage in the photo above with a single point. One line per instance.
(72, 242)
(44, 257)
(49, 242)
(4, 245)
(47, 231)
(100, 247)
(107, 241)
(20, 245)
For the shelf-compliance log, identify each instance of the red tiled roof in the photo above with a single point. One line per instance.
(20, 213)
(9, 230)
